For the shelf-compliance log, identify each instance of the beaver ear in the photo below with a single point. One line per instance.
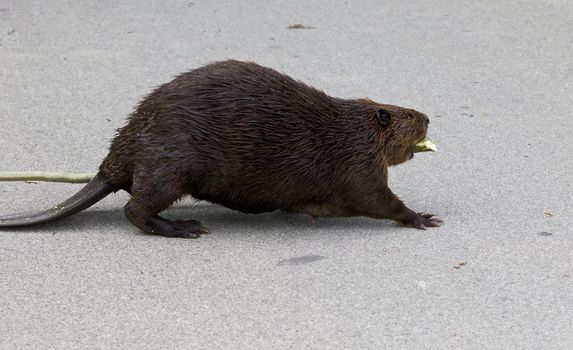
(383, 117)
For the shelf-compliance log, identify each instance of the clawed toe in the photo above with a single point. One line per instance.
(425, 220)
(193, 225)
(189, 234)
(183, 229)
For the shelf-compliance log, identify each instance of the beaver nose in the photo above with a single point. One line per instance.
(426, 119)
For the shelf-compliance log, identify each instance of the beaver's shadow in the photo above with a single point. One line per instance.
(216, 218)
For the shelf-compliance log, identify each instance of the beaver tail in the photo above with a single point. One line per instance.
(92, 193)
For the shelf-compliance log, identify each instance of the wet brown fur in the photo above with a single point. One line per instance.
(255, 140)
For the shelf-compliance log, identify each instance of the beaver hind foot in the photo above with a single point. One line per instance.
(143, 208)
(160, 226)
(425, 220)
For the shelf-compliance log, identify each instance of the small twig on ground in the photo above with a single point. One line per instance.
(45, 176)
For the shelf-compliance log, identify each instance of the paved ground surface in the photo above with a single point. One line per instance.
(495, 76)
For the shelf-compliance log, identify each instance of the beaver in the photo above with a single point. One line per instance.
(255, 140)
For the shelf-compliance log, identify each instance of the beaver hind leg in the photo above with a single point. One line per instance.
(148, 199)
(146, 219)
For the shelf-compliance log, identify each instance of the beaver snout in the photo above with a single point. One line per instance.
(426, 120)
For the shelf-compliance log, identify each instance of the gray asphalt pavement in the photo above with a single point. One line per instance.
(496, 78)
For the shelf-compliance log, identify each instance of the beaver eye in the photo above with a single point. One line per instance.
(383, 117)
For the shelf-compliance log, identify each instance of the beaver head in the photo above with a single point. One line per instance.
(401, 129)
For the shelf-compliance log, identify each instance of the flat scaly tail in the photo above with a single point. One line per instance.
(92, 193)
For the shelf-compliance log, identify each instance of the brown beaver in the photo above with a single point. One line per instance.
(255, 140)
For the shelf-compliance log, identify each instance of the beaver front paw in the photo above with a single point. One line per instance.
(424, 220)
